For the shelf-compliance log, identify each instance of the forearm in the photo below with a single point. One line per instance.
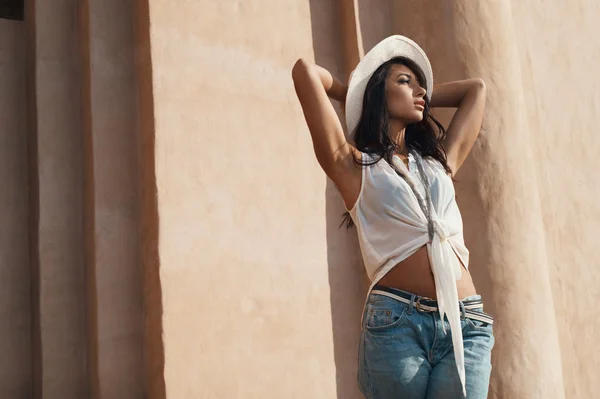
(451, 94)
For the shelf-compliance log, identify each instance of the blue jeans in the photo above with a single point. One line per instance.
(404, 353)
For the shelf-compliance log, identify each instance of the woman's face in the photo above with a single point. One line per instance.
(404, 96)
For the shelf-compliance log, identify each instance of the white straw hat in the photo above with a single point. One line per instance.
(385, 50)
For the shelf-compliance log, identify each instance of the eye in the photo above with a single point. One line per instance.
(401, 81)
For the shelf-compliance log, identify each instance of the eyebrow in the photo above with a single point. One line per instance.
(410, 77)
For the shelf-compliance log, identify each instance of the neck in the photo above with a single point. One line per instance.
(397, 131)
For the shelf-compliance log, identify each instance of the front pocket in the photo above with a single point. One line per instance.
(384, 319)
(476, 324)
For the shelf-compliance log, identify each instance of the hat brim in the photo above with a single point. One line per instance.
(385, 50)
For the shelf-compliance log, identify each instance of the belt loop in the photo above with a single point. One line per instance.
(412, 303)
(462, 310)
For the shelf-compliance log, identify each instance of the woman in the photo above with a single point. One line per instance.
(395, 178)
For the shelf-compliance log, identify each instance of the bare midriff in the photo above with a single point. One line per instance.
(414, 275)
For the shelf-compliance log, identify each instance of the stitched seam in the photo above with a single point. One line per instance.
(431, 362)
(366, 368)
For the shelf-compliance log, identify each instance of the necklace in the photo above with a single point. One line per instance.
(424, 203)
(404, 158)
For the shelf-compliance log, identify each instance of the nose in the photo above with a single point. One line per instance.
(421, 92)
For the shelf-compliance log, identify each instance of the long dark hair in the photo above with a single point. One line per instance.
(371, 134)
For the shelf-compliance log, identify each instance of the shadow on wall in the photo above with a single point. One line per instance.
(154, 357)
(347, 280)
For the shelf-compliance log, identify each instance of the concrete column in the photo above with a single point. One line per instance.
(506, 227)
(15, 288)
(111, 186)
(242, 231)
(497, 190)
(61, 313)
(560, 40)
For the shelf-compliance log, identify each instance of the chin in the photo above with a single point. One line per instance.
(417, 117)
(413, 116)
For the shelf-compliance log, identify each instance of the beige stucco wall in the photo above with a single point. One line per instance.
(517, 223)
(242, 212)
(167, 231)
(564, 120)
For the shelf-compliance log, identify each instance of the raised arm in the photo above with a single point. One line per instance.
(469, 97)
(313, 85)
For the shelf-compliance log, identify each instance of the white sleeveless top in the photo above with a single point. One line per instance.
(391, 227)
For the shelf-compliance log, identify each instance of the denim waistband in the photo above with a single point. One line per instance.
(470, 300)
(470, 307)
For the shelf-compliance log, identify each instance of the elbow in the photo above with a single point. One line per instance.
(479, 84)
(300, 69)
(300, 63)
(476, 88)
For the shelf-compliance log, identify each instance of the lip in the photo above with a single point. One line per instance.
(420, 106)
